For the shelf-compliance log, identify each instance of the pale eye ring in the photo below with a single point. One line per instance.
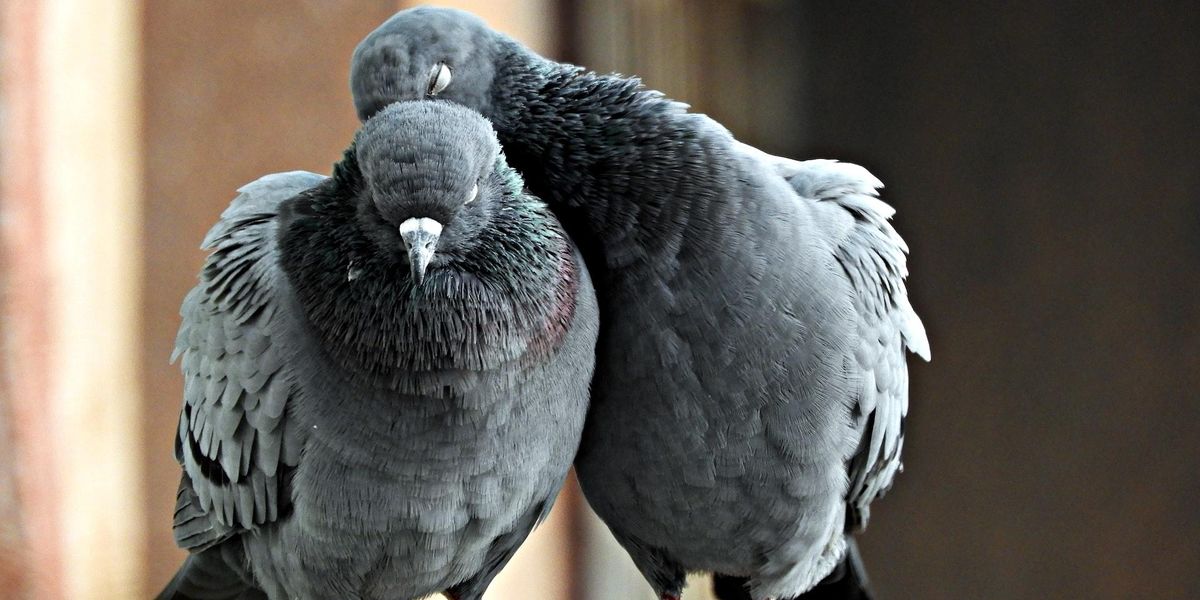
(473, 195)
(439, 78)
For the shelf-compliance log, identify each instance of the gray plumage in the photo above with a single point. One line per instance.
(751, 383)
(348, 432)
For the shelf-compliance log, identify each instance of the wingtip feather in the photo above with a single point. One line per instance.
(915, 338)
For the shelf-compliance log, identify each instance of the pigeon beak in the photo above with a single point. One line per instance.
(421, 237)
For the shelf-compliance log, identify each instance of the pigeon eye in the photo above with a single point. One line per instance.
(473, 195)
(439, 78)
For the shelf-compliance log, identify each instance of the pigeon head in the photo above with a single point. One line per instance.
(429, 181)
(425, 52)
(423, 253)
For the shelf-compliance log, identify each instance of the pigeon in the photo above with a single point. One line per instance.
(386, 372)
(751, 380)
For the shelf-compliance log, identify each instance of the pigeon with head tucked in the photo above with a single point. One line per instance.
(386, 372)
(751, 382)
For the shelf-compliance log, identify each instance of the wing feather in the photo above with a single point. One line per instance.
(233, 426)
(872, 254)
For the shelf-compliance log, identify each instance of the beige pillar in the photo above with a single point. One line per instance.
(72, 213)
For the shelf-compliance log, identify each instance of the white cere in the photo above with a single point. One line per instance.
(439, 78)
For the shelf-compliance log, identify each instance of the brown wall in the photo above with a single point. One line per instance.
(1044, 163)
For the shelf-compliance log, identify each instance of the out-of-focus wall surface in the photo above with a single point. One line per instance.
(1044, 163)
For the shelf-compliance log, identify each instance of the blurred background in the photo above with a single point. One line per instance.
(1043, 158)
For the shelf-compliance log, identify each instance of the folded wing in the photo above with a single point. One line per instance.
(235, 443)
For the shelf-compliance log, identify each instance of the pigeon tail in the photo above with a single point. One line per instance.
(208, 576)
(848, 581)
